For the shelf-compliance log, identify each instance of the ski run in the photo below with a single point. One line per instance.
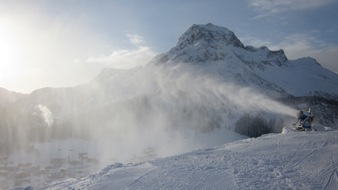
(293, 160)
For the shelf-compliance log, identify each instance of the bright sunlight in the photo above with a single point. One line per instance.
(10, 51)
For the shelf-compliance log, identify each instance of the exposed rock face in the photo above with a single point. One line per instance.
(203, 43)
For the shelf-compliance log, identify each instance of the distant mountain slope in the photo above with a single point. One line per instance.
(284, 161)
(8, 97)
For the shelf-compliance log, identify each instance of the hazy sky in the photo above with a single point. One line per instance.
(67, 42)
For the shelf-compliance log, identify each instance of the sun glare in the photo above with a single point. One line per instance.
(10, 55)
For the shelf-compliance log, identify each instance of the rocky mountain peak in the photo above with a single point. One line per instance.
(204, 43)
(208, 35)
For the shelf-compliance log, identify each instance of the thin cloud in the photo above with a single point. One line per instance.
(271, 7)
(126, 58)
(135, 39)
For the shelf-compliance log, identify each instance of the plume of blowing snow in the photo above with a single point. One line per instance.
(158, 111)
(46, 114)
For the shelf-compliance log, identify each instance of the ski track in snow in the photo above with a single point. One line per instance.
(300, 160)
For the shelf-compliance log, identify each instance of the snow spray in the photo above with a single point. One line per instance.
(162, 111)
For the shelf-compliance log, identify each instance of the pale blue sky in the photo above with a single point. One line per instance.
(67, 42)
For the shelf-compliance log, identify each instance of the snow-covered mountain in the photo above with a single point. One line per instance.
(301, 83)
(194, 96)
(269, 71)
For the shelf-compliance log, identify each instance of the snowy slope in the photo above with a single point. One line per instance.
(303, 77)
(277, 161)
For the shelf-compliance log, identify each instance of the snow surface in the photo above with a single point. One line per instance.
(299, 160)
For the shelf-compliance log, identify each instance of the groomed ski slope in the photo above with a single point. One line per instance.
(297, 160)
